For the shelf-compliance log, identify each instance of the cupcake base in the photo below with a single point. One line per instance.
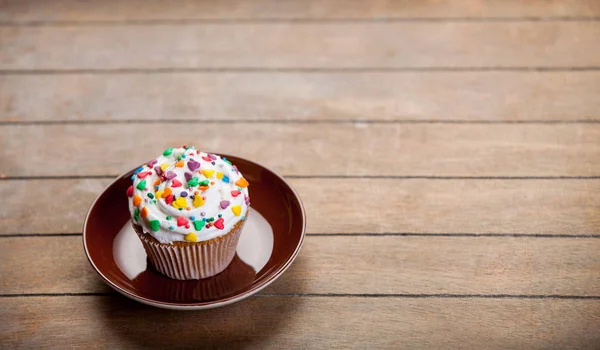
(191, 260)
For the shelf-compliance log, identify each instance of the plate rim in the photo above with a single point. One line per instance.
(201, 305)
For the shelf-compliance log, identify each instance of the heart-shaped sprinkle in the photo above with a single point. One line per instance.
(180, 203)
(158, 170)
(188, 176)
(166, 192)
(235, 193)
(151, 163)
(220, 224)
(193, 165)
(154, 225)
(198, 201)
(237, 210)
(175, 183)
(137, 200)
(242, 183)
(169, 199)
(208, 173)
(144, 212)
(164, 167)
(179, 164)
(170, 175)
(198, 224)
(212, 156)
(224, 204)
(181, 221)
(130, 191)
(193, 182)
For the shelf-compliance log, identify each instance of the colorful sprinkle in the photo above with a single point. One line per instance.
(138, 170)
(224, 204)
(207, 158)
(243, 218)
(169, 199)
(170, 175)
(143, 174)
(208, 173)
(158, 170)
(192, 217)
(166, 192)
(237, 210)
(137, 200)
(156, 183)
(171, 228)
(191, 237)
(154, 225)
(180, 203)
(193, 165)
(141, 185)
(144, 212)
(188, 176)
(235, 193)
(136, 214)
(151, 163)
(181, 221)
(168, 152)
(175, 183)
(219, 175)
(198, 224)
(169, 217)
(225, 179)
(198, 202)
(242, 183)
(220, 224)
(203, 188)
(150, 195)
(193, 182)
(183, 194)
(130, 191)
(164, 166)
(179, 164)
(159, 194)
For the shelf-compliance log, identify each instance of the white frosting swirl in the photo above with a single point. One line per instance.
(188, 195)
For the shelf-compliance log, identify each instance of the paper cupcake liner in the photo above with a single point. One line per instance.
(187, 260)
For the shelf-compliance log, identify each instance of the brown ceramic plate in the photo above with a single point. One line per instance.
(270, 241)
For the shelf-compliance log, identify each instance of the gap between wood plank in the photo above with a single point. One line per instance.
(293, 121)
(297, 20)
(339, 295)
(169, 70)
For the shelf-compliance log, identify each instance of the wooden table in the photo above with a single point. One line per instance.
(448, 154)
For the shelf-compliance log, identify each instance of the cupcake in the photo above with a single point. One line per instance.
(188, 208)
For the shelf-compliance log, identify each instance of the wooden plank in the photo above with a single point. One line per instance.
(291, 322)
(136, 10)
(303, 45)
(294, 96)
(568, 207)
(333, 149)
(404, 265)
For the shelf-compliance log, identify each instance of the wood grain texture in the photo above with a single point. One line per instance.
(477, 96)
(403, 265)
(564, 207)
(303, 45)
(334, 149)
(292, 322)
(136, 10)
